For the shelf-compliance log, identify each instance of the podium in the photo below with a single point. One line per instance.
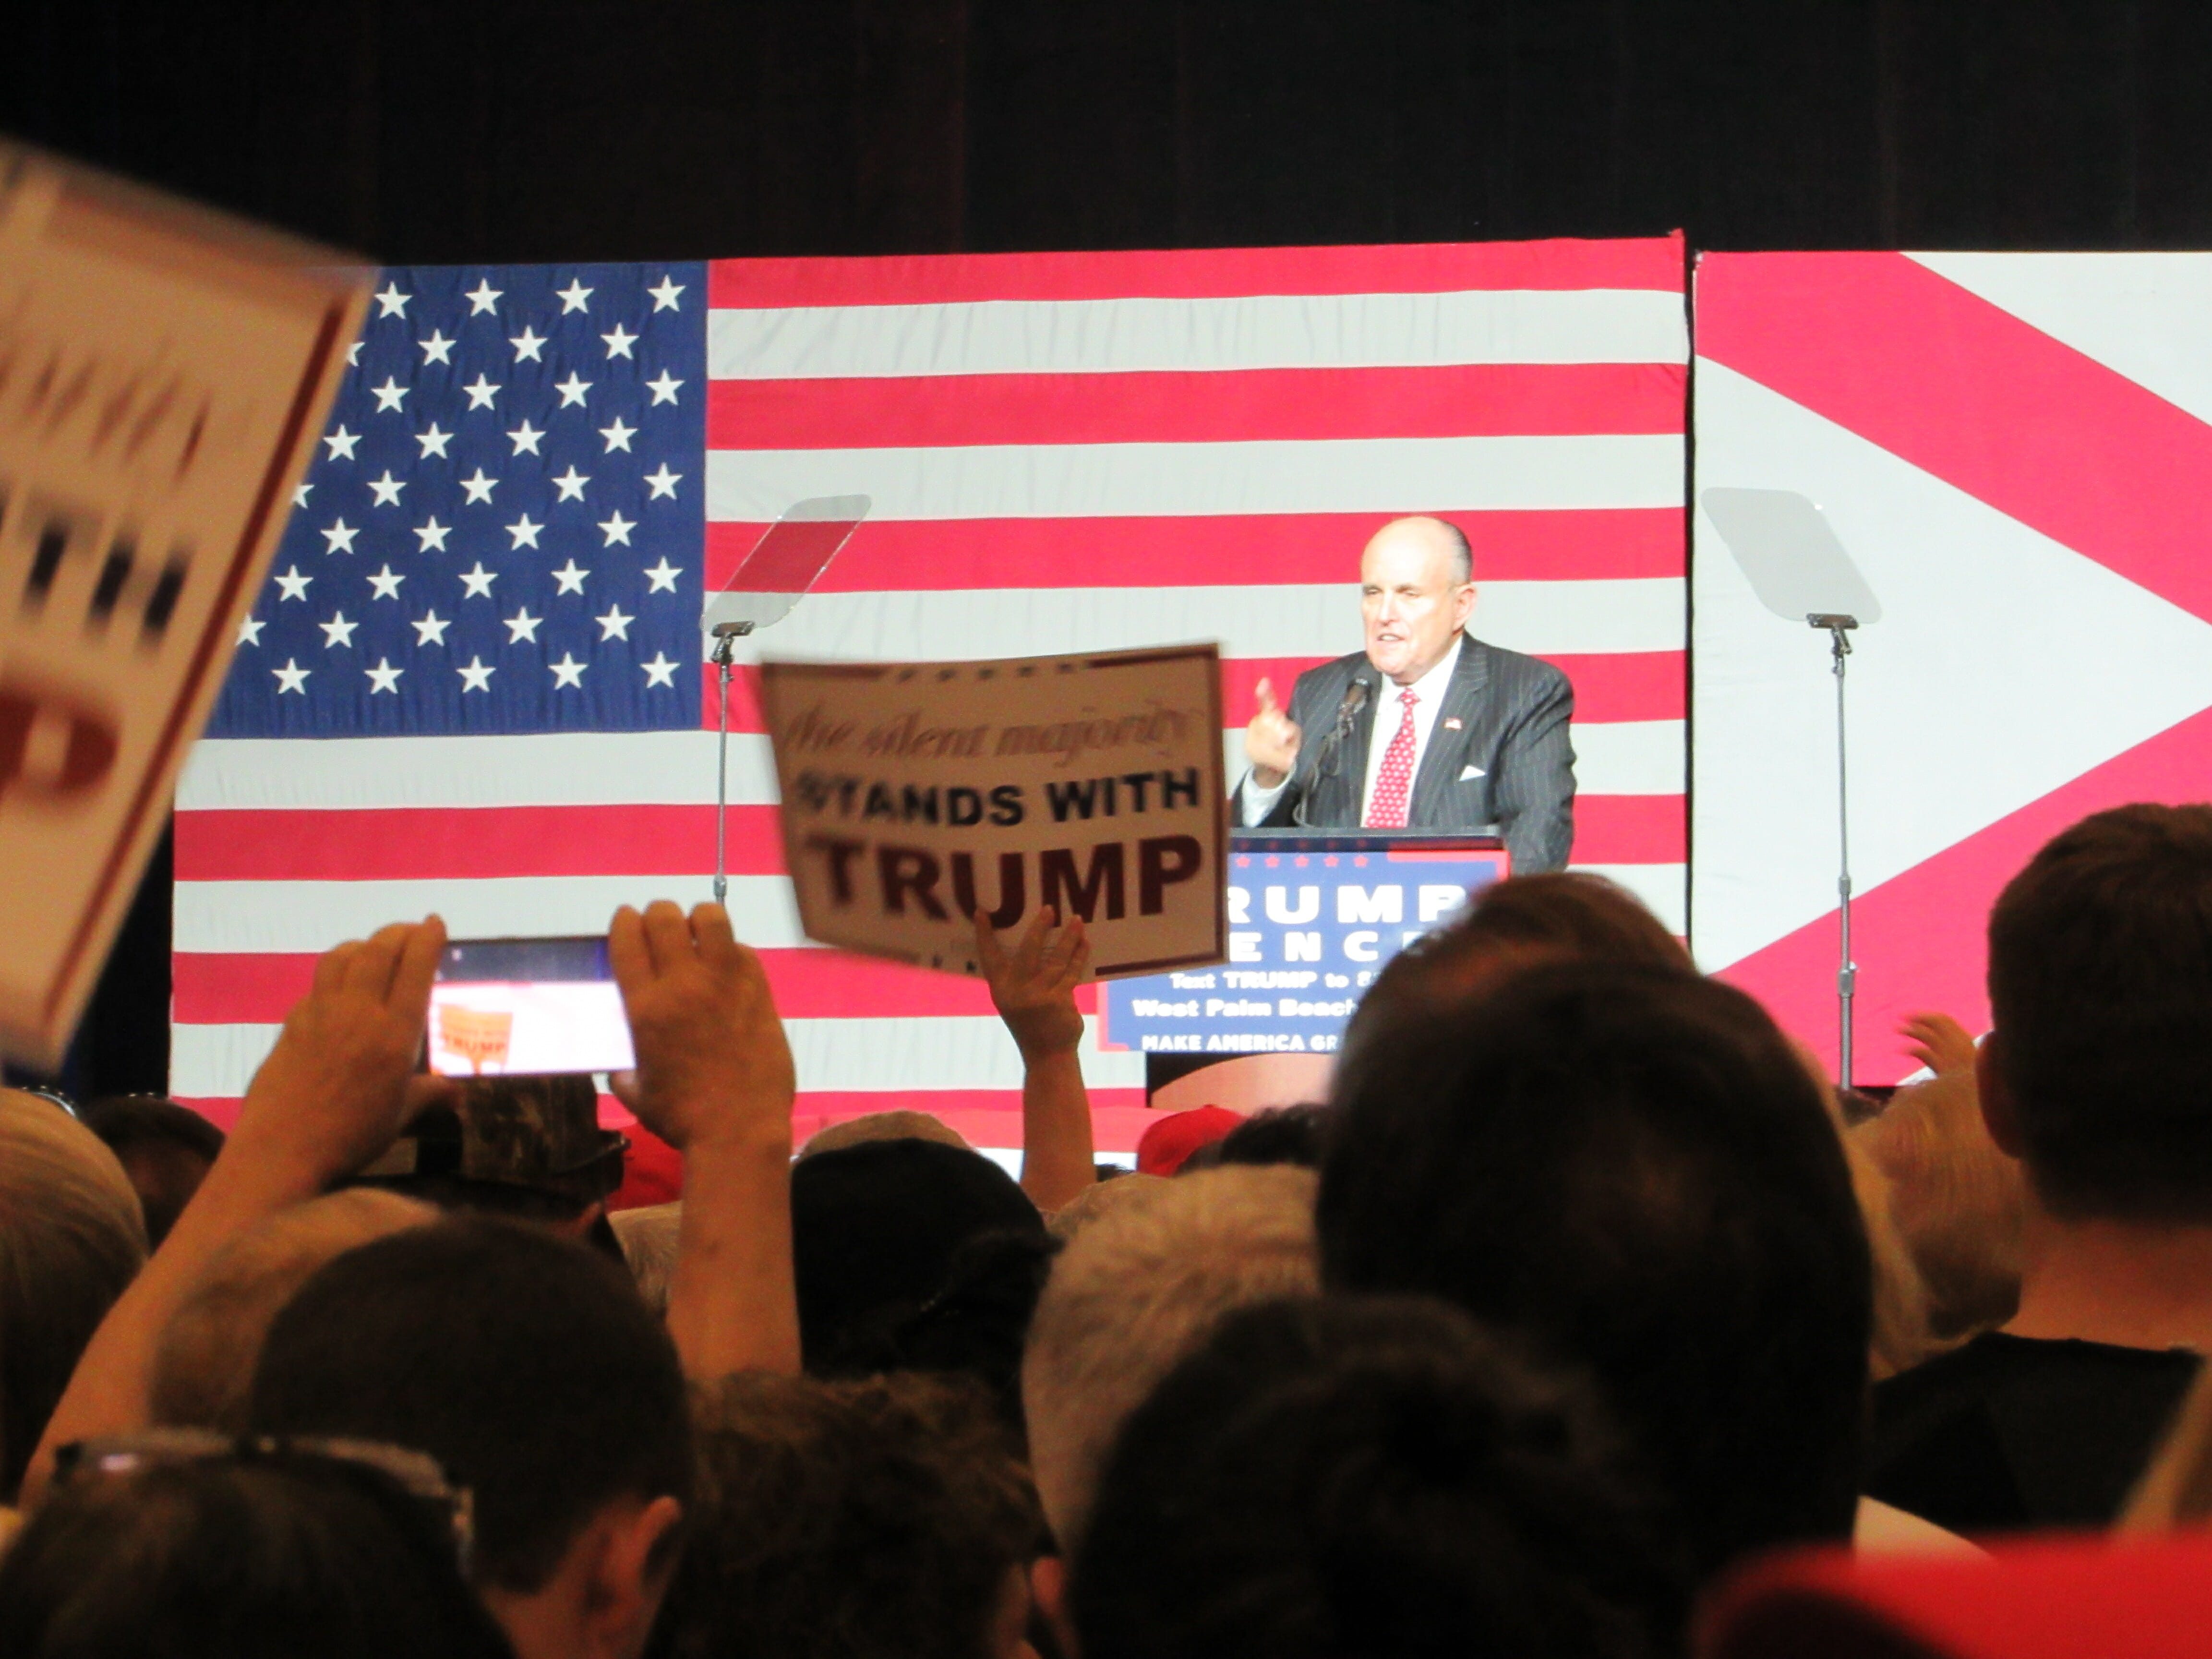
(1313, 916)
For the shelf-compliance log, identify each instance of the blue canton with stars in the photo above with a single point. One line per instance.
(502, 528)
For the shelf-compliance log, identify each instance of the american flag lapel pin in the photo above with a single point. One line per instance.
(1451, 722)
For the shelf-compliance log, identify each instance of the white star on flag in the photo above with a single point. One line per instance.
(614, 625)
(392, 302)
(663, 576)
(479, 488)
(384, 677)
(482, 297)
(474, 675)
(573, 296)
(523, 626)
(340, 537)
(528, 346)
(386, 582)
(431, 535)
(478, 581)
(660, 671)
(481, 392)
(293, 584)
(572, 390)
(663, 388)
(386, 489)
(619, 342)
(567, 671)
(300, 495)
(291, 676)
(337, 631)
(571, 578)
(525, 436)
(617, 435)
(437, 348)
(249, 631)
(617, 529)
(434, 442)
(571, 485)
(664, 483)
(342, 443)
(389, 396)
(430, 629)
(664, 297)
(524, 531)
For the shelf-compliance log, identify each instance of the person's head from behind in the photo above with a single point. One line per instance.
(2099, 1076)
(1374, 1476)
(227, 1557)
(911, 1255)
(528, 1366)
(166, 1149)
(71, 1238)
(204, 1367)
(1632, 1167)
(1135, 1292)
(1274, 1135)
(886, 1518)
(1519, 922)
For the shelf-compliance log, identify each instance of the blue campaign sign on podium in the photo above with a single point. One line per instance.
(1313, 916)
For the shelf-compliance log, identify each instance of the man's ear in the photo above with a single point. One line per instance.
(1048, 1589)
(1999, 1116)
(1464, 604)
(632, 1563)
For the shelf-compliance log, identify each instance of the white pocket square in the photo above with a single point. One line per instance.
(1466, 772)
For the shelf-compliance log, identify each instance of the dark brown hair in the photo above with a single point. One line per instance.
(2101, 981)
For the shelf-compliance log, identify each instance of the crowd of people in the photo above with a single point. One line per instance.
(1584, 1318)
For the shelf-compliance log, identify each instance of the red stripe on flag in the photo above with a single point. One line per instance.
(1934, 916)
(1199, 273)
(984, 1117)
(1964, 390)
(1227, 551)
(215, 989)
(1458, 401)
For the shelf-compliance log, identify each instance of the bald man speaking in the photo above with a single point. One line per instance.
(1428, 728)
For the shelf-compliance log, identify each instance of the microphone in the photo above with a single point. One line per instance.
(1347, 710)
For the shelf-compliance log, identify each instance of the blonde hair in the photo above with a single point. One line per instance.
(204, 1367)
(883, 1126)
(1136, 1291)
(71, 1238)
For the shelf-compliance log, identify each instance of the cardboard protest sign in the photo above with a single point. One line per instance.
(163, 373)
(917, 793)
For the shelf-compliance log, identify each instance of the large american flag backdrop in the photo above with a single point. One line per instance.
(475, 683)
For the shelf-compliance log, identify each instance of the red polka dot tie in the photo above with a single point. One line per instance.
(1396, 781)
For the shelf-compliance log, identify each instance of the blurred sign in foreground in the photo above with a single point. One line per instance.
(164, 371)
(917, 793)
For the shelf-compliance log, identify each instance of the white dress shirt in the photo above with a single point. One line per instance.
(1390, 713)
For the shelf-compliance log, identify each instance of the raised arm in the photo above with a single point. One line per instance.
(1033, 988)
(331, 1095)
(714, 1080)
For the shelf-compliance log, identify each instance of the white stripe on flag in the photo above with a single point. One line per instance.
(1293, 619)
(304, 916)
(1626, 757)
(1664, 889)
(946, 1051)
(1167, 480)
(1332, 330)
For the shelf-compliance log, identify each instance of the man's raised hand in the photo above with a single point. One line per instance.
(334, 1092)
(1033, 985)
(1271, 741)
(712, 1060)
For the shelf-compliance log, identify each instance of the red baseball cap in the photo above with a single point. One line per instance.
(2046, 1596)
(1163, 1148)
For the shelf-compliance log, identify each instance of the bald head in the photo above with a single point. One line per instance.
(1416, 593)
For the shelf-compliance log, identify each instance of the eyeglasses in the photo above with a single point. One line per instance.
(416, 1476)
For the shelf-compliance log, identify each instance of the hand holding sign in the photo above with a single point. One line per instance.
(1271, 741)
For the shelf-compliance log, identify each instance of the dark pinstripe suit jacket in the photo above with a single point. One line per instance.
(1513, 712)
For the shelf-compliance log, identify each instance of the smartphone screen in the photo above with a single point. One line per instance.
(527, 1005)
